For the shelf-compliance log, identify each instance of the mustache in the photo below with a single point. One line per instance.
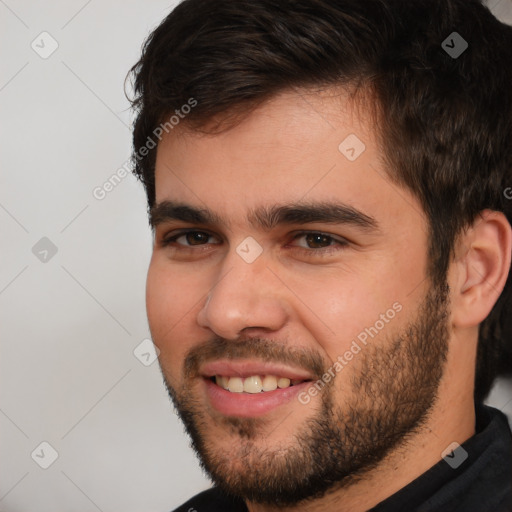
(262, 349)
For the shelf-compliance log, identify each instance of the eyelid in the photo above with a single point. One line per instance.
(336, 238)
(170, 237)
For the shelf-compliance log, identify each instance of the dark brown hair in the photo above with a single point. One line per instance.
(445, 121)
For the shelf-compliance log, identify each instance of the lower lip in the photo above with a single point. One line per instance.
(250, 405)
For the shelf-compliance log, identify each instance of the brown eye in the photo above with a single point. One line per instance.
(186, 239)
(312, 244)
(196, 237)
(318, 240)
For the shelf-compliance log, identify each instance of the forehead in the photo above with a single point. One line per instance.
(299, 146)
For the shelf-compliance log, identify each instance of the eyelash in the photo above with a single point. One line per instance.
(322, 251)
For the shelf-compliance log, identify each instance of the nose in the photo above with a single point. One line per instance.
(245, 296)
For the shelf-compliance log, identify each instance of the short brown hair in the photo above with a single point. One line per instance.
(445, 121)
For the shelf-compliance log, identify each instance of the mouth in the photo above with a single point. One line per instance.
(251, 389)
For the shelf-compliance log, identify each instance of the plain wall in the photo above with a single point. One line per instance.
(70, 324)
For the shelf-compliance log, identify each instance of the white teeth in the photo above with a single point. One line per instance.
(283, 382)
(252, 384)
(269, 383)
(236, 385)
(222, 381)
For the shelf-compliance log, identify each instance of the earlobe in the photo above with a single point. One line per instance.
(482, 269)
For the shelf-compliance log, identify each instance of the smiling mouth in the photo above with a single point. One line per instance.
(255, 384)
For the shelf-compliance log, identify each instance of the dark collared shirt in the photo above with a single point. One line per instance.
(481, 483)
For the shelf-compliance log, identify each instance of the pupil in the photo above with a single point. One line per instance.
(317, 240)
(196, 238)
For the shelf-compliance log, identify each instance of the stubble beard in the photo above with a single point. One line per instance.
(389, 400)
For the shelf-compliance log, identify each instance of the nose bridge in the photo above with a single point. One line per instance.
(245, 295)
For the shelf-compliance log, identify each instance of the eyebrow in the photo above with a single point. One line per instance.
(267, 217)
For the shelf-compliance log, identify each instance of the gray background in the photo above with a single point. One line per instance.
(70, 323)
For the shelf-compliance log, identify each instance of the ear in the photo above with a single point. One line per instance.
(480, 269)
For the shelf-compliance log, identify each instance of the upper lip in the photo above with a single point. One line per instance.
(248, 368)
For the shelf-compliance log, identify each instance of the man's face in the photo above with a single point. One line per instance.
(275, 288)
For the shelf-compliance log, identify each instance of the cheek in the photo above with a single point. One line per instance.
(352, 306)
(346, 310)
(171, 298)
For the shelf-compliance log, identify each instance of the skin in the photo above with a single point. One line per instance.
(286, 151)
